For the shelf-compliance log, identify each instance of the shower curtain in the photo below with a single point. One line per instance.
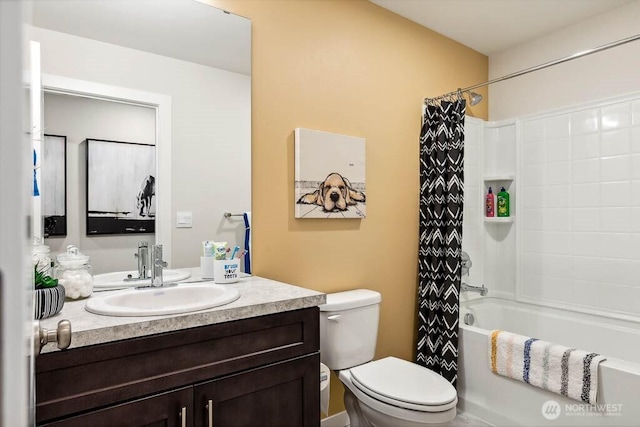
(439, 266)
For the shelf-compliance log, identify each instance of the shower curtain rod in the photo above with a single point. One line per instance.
(539, 67)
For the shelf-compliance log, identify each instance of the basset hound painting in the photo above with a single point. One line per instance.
(329, 175)
(335, 193)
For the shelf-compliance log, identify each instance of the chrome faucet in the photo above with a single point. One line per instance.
(464, 287)
(143, 260)
(157, 265)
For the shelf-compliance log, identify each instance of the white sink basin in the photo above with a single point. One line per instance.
(182, 298)
(111, 281)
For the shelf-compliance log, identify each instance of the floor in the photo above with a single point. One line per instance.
(464, 420)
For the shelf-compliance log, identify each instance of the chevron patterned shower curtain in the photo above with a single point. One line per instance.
(441, 200)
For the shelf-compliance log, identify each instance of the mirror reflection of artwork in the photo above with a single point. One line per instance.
(120, 187)
(53, 185)
(330, 175)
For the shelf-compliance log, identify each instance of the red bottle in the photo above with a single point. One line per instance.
(489, 205)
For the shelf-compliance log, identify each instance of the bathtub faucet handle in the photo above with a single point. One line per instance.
(465, 262)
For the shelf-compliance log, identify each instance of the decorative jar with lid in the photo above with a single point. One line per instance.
(74, 273)
(48, 294)
(42, 259)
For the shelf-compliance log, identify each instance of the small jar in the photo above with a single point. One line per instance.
(74, 273)
(42, 259)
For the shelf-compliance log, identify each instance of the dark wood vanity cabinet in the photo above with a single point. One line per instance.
(276, 395)
(161, 410)
(262, 371)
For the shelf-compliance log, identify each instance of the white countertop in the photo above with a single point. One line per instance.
(258, 297)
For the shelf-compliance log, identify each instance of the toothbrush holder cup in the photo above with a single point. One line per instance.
(207, 267)
(226, 270)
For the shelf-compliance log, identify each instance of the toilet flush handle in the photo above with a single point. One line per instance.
(334, 318)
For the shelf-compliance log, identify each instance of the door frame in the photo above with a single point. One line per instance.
(14, 220)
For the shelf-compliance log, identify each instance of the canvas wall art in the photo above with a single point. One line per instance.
(54, 185)
(329, 175)
(120, 187)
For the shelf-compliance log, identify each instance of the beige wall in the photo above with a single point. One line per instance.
(350, 67)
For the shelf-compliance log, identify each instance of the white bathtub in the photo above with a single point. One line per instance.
(505, 402)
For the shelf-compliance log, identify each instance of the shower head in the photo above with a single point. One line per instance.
(474, 98)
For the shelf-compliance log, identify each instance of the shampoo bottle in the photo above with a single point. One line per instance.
(503, 203)
(489, 205)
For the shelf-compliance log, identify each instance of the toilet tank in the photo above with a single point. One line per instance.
(349, 328)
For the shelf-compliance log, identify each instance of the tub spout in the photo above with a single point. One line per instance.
(464, 287)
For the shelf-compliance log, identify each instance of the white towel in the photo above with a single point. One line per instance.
(563, 370)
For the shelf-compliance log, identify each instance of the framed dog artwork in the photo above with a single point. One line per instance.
(330, 175)
(121, 187)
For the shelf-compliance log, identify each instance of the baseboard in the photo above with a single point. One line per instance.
(341, 419)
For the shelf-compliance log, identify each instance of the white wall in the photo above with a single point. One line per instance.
(211, 129)
(499, 157)
(472, 229)
(601, 75)
(580, 256)
(579, 222)
(80, 118)
(490, 156)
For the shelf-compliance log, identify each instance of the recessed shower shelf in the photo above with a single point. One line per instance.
(499, 178)
(499, 220)
(498, 181)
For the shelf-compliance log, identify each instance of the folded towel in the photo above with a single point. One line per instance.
(563, 370)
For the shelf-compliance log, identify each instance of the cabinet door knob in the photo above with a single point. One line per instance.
(210, 412)
(42, 336)
(183, 416)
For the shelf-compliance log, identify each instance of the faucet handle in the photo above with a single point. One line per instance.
(465, 260)
(160, 263)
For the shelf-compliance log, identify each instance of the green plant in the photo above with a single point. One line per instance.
(42, 280)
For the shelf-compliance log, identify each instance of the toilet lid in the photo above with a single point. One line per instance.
(404, 381)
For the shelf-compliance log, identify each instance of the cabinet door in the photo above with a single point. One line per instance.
(171, 409)
(285, 394)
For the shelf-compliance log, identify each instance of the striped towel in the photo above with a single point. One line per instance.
(563, 370)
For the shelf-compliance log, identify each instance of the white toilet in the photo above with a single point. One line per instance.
(389, 392)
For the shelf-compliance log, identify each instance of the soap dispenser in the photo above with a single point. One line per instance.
(503, 203)
(489, 206)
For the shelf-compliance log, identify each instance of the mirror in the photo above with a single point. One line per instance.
(175, 74)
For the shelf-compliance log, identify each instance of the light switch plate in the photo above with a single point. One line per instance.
(184, 219)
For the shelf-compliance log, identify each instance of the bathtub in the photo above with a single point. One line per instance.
(502, 401)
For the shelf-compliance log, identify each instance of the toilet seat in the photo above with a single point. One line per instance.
(404, 384)
(422, 416)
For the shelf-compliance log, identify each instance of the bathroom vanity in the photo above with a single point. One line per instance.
(253, 362)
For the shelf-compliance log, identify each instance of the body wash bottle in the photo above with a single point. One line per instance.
(503, 203)
(489, 204)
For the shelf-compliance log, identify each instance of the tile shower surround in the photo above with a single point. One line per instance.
(579, 214)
